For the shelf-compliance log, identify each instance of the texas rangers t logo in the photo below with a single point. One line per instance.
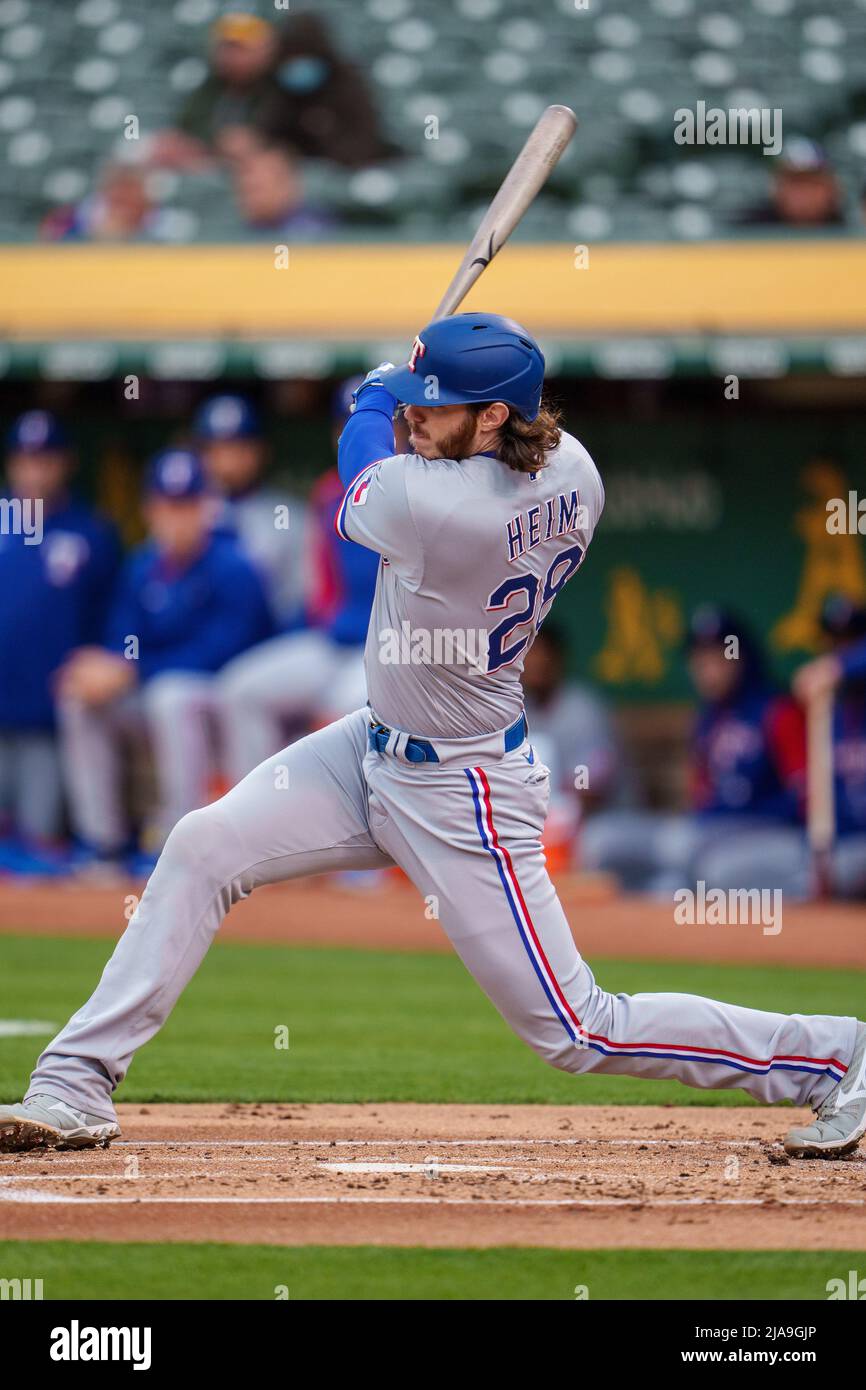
(359, 496)
(418, 350)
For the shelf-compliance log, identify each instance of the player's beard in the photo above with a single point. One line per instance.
(456, 445)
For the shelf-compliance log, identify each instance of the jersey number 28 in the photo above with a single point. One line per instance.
(538, 600)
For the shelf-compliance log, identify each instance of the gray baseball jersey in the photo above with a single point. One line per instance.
(474, 554)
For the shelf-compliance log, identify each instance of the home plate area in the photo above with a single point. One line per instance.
(441, 1175)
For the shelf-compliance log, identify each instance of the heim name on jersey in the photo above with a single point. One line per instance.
(554, 517)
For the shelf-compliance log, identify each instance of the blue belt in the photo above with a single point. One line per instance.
(421, 750)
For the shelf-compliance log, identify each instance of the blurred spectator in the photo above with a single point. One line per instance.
(306, 678)
(269, 193)
(572, 734)
(120, 209)
(58, 562)
(805, 191)
(271, 526)
(326, 110)
(843, 670)
(240, 90)
(748, 757)
(188, 602)
(292, 87)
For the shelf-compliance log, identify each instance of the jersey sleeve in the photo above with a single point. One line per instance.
(376, 513)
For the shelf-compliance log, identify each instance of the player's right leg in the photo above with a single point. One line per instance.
(302, 812)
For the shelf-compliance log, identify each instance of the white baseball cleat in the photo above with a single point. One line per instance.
(840, 1122)
(42, 1122)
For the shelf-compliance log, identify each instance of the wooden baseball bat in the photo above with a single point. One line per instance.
(820, 805)
(527, 175)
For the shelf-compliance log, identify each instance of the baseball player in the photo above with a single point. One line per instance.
(478, 529)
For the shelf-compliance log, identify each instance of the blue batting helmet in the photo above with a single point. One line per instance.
(227, 417)
(472, 358)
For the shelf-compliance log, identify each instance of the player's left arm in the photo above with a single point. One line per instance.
(368, 434)
(375, 510)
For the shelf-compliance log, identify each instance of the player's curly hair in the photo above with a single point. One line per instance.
(524, 444)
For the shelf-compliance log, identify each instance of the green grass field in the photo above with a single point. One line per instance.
(263, 1272)
(365, 1025)
(378, 1026)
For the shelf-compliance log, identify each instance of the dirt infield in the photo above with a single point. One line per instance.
(316, 912)
(441, 1175)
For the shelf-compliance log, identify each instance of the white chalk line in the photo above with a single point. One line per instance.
(429, 1166)
(578, 1204)
(217, 1174)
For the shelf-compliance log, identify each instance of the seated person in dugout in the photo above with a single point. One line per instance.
(782, 860)
(747, 779)
(188, 601)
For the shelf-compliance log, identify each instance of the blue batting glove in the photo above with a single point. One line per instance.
(377, 377)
